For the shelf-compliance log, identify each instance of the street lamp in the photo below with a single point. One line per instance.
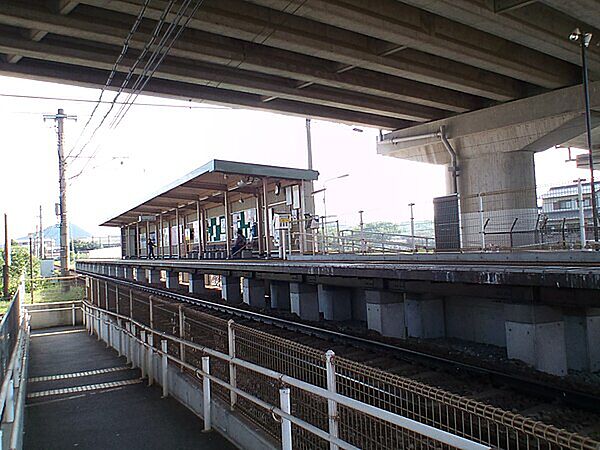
(584, 40)
(412, 226)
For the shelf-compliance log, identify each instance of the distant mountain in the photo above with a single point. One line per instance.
(53, 232)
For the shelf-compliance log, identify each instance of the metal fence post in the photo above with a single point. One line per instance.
(9, 415)
(181, 334)
(130, 303)
(108, 325)
(120, 335)
(142, 353)
(206, 393)
(232, 368)
(165, 367)
(73, 313)
(150, 355)
(286, 425)
(99, 324)
(481, 222)
(106, 294)
(332, 410)
(132, 345)
(581, 208)
(127, 344)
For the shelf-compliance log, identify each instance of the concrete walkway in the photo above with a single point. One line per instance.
(82, 395)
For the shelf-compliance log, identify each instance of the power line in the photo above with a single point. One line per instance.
(84, 100)
(125, 82)
(111, 75)
(137, 89)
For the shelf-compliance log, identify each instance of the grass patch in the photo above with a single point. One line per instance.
(56, 292)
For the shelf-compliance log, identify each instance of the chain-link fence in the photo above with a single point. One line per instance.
(545, 217)
(283, 361)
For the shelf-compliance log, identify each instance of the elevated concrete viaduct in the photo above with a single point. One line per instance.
(386, 63)
(494, 151)
(548, 317)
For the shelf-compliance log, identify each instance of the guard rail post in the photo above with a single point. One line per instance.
(150, 363)
(232, 367)
(181, 334)
(164, 344)
(206, 393)
(142, 353)
(286, 425)
(332, 409)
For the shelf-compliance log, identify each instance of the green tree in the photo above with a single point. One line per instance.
(19, 256)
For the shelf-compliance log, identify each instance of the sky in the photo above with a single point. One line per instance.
(155, 145)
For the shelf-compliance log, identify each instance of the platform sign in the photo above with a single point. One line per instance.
(147, 219)
(284, 221)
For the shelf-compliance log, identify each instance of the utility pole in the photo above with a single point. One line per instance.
(59, 118)
(6, 267)
(412, 226)
(41, 236)
(31, 267)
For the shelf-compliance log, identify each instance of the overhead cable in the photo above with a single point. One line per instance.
(152, 64)
(113, 71)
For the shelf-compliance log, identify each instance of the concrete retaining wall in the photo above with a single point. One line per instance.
(40, 318)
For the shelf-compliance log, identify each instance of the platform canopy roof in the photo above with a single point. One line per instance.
(208, 185)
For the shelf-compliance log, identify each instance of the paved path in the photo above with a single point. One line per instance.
(92, 400)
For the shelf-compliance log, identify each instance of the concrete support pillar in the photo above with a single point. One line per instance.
(335, 302)
(140, 275)
(304, 301)
(508, 181)
(385, 313)
(582, 335)
(280, 295)
(535, 334)
(154, 276)
(254, 292)
(424, 316)
(230, 289)
(359, 304)
(172, 279)
(197, 285)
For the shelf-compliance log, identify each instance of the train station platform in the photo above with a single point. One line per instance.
(80, 394)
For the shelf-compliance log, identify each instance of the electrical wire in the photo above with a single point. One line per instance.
(183, 9)
(152, 58)
(138, 89)
(130, 72)
(85, 100)
(113, 71)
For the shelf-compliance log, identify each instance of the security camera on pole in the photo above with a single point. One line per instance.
(62, 182)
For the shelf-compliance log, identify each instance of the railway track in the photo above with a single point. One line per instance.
(570, 409)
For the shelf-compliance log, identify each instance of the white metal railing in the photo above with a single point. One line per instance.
(12, 391)
(107, 325)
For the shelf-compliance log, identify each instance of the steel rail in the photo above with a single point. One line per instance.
(579, 399)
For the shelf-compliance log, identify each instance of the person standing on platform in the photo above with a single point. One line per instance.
(151, 249)
(239, 244)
